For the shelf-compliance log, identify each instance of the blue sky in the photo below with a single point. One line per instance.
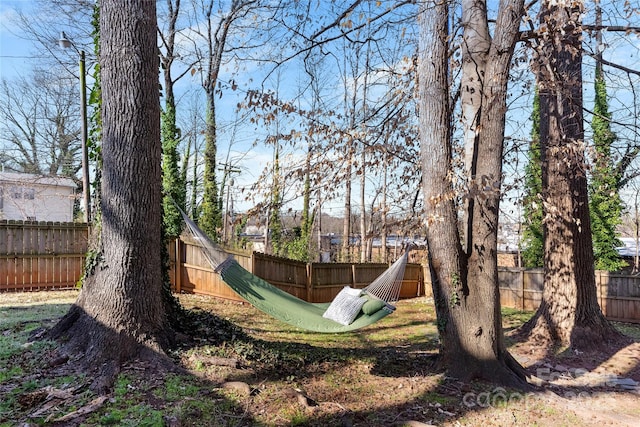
(17, 54)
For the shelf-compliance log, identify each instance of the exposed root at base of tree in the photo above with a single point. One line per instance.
(519, 371)
(89, 347)
(503, 371)
(101, 351)
(595, 334)
(106, 374)
(589, 344)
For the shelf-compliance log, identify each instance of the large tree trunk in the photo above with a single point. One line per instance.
(465, 285)
(569, 313)
(119, 314)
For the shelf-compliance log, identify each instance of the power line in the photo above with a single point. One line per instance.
(24, 57)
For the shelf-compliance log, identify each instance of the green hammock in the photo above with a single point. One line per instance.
(286, 307)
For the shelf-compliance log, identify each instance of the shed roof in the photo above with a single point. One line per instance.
(29, 178)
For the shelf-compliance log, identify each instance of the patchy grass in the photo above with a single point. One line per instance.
(629, 329)
(512, 317)
(277, 375)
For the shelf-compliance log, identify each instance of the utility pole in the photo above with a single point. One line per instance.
(227, 180)
(65, 43)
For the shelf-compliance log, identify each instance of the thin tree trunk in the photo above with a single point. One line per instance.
(211, 220)
(174, 187)
(363, 211)
(384, 231)
(346, 225)
(195, 210)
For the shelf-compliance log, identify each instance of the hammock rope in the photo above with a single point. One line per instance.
(287, 307)
(387, 286)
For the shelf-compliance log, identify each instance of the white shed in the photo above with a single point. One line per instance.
(30, 197)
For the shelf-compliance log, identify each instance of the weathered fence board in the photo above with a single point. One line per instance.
(190, 271)
(618, 294)
(41, 255)
(286, 274)
(314, 282)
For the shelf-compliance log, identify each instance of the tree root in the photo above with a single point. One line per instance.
(101, 351)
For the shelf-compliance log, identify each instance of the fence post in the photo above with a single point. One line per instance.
(353, 275)
(599, 293)
(252, 270)
(178, 266)
(309, 270)
(522, 288)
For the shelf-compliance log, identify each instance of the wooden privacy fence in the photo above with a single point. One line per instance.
(46, 255)
(41, 255)
(313, 282)
(618, 294)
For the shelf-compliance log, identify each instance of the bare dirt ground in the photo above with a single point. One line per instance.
(598, 387)
(384, 375)
(587, 389)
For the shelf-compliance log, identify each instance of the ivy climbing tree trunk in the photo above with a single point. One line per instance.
(173, 183)
(120, 313)
(569, 313)
(605, 203)
(211, 217)
(275, 218)
(533, 240)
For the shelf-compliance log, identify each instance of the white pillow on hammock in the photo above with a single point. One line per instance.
(345, 306)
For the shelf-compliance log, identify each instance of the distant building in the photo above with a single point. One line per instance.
(30, 197)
